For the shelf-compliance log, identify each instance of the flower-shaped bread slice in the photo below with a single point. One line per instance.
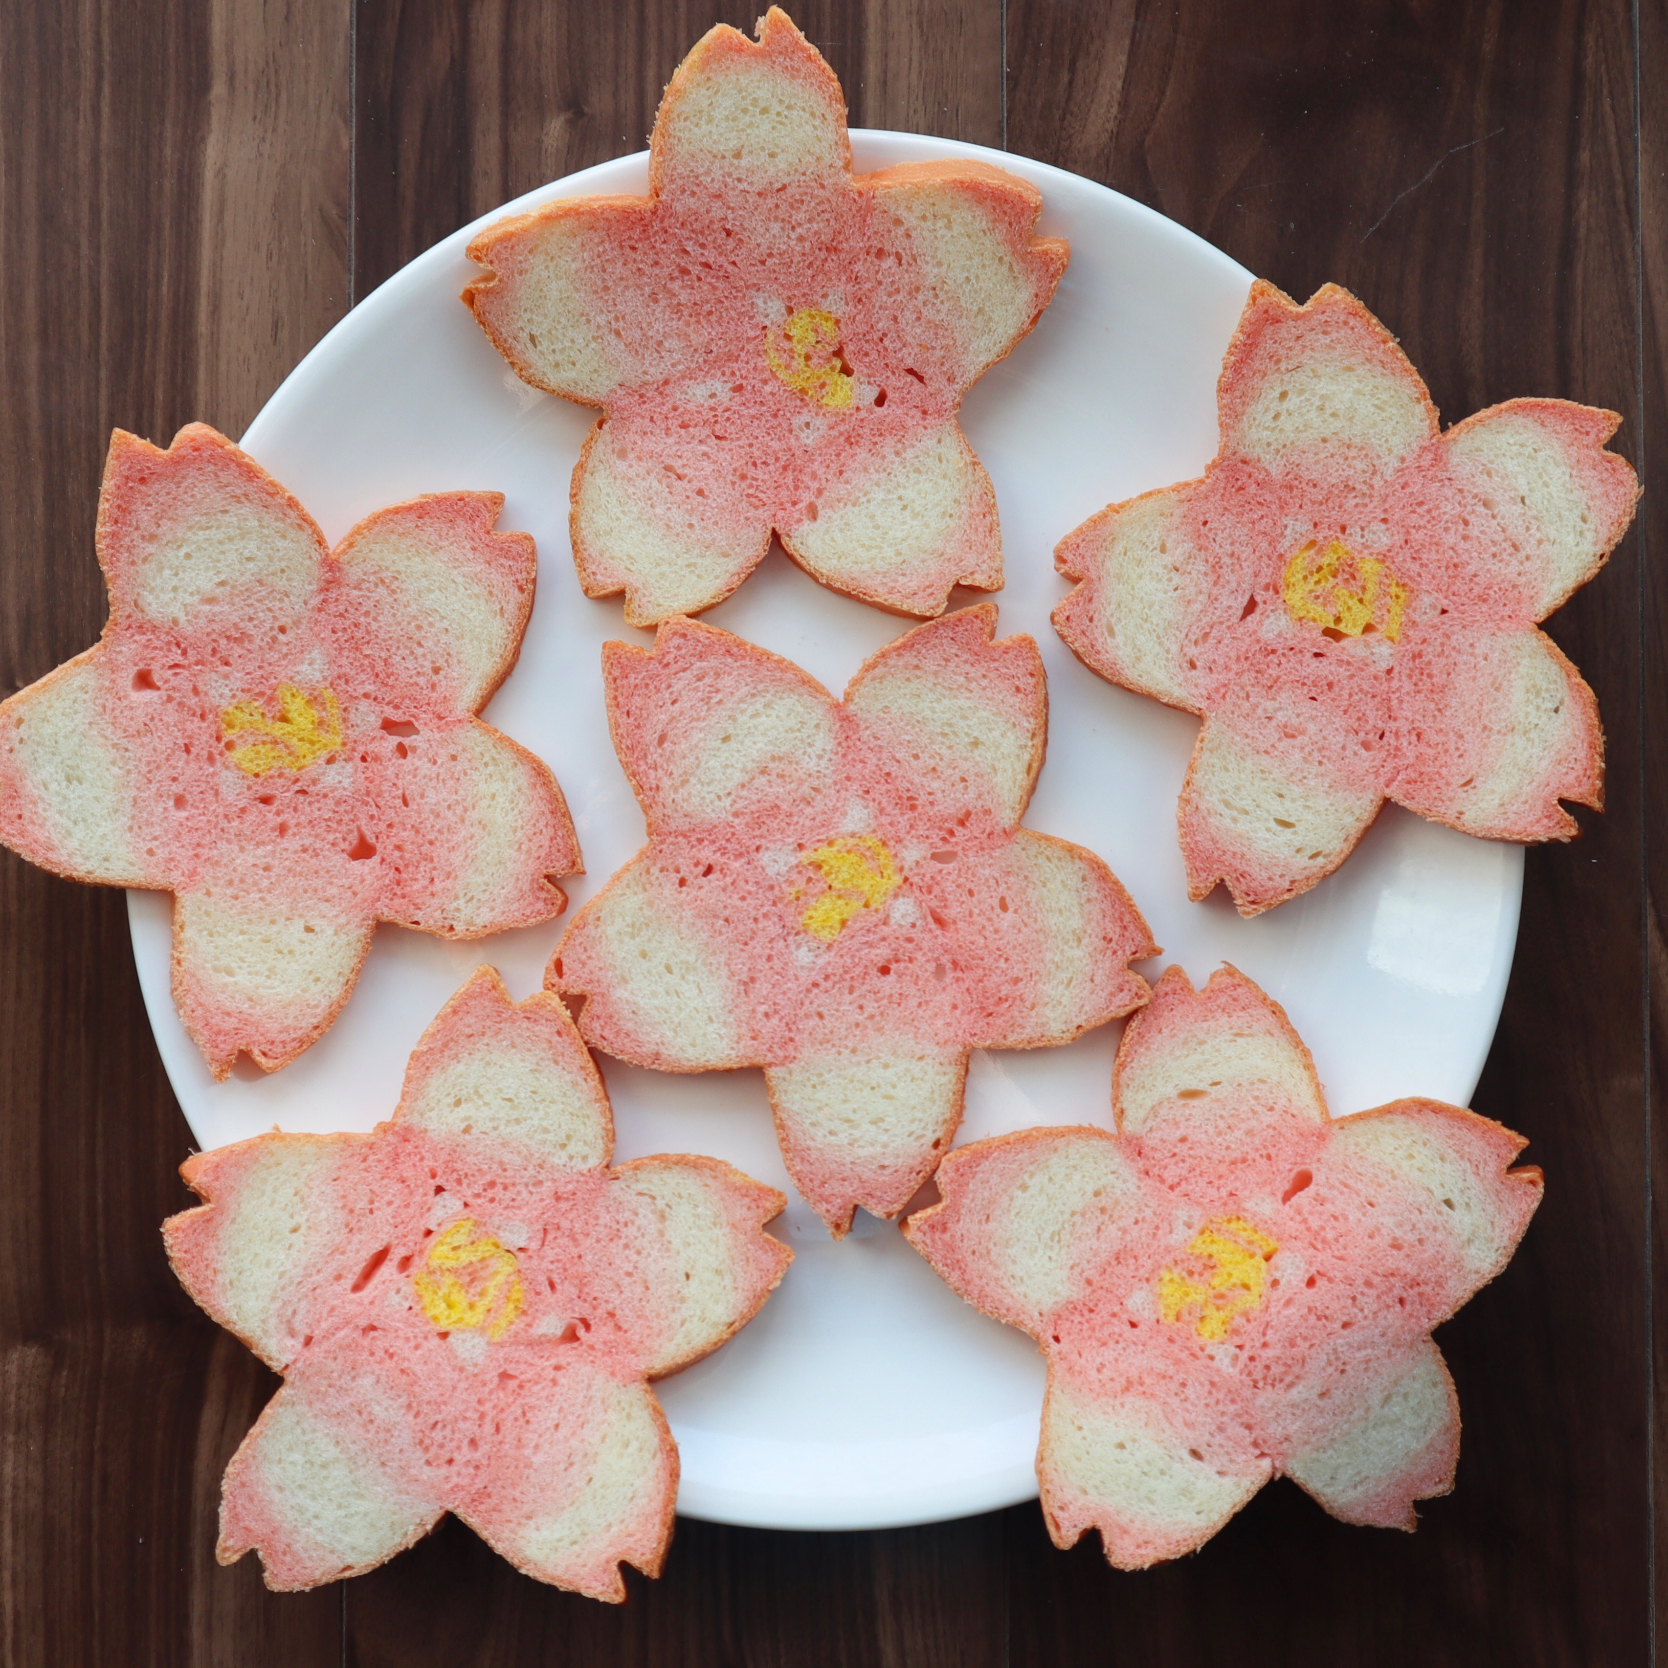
(1234, 1286)
(1349, 599)
(776, 343)
(841, 892)
(284, 738)
(467, 1305)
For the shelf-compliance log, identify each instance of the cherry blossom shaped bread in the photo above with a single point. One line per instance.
(776, 343)
(841, 892)
(1349, 599)
(283, 736)
(467, 1305)
(1234, 1286)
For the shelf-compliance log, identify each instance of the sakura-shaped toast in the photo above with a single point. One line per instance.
(776, 343)
(1235, 1286)
(467, 1306)
(284, 737)
(1349, 599)
(840, 892)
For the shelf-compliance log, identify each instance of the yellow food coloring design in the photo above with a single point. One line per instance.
(859, 873)
(454, 1304)
(1240, 1253)
(813, 366)
(300, 735)
(1313, 592)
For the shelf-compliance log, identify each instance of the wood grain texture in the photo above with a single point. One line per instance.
(193, 192)
(174, 231)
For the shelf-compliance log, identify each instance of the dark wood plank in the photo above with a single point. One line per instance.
(1469, 171)
(173, 184)
(1653, 551)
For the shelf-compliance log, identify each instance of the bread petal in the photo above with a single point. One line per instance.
(965, 718)
(307, 1493)
(1125, 1466)
(673, 545)
(1491, 732)
(1020, 1217)
(964, 229)
(1401, 1445)
(246, 1255)
(424, 606)
(1130, 617)
(1267, 829)
(1305, 387)
(1456, 1167)
(709, 726)
(1535, 475)
(1072, 932)
(561, 307)
(590, 1485)
(868, 1126)
(657, 992)
(475, 831)
(899, 530)
(66, 787)
(703, 1248)
(746, 117)
(255, 977)
(492, 1070)
(1224, 1052)
(200, 537)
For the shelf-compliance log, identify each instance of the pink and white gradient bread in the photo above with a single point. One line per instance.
(841, 892)
(1234, 1286)
(466, 1306)
(284, 737)
(775, 342)
(1349, 597)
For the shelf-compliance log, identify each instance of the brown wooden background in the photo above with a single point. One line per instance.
(193, 191)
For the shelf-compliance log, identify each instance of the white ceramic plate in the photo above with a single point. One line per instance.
(866, 1394)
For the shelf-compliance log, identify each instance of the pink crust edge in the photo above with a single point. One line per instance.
(482, 1003)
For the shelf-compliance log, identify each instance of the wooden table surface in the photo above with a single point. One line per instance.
(193, 191)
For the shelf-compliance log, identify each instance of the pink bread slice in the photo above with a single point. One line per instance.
(1349, 599)
(1234, 1285)
(284, 737)
(777, 345)
(467, 1305)
(841, 892)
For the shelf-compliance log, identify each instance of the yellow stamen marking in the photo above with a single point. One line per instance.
(860, 875)
(450, 1302)
(1309, 579)
(813, 366)
(1240, 1253)
(299, 734)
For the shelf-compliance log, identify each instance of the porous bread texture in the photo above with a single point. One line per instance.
(1234, 1285)
(841, 892)
(467, 1306)
(1349, 599)
(777, 344)
(283, 736)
